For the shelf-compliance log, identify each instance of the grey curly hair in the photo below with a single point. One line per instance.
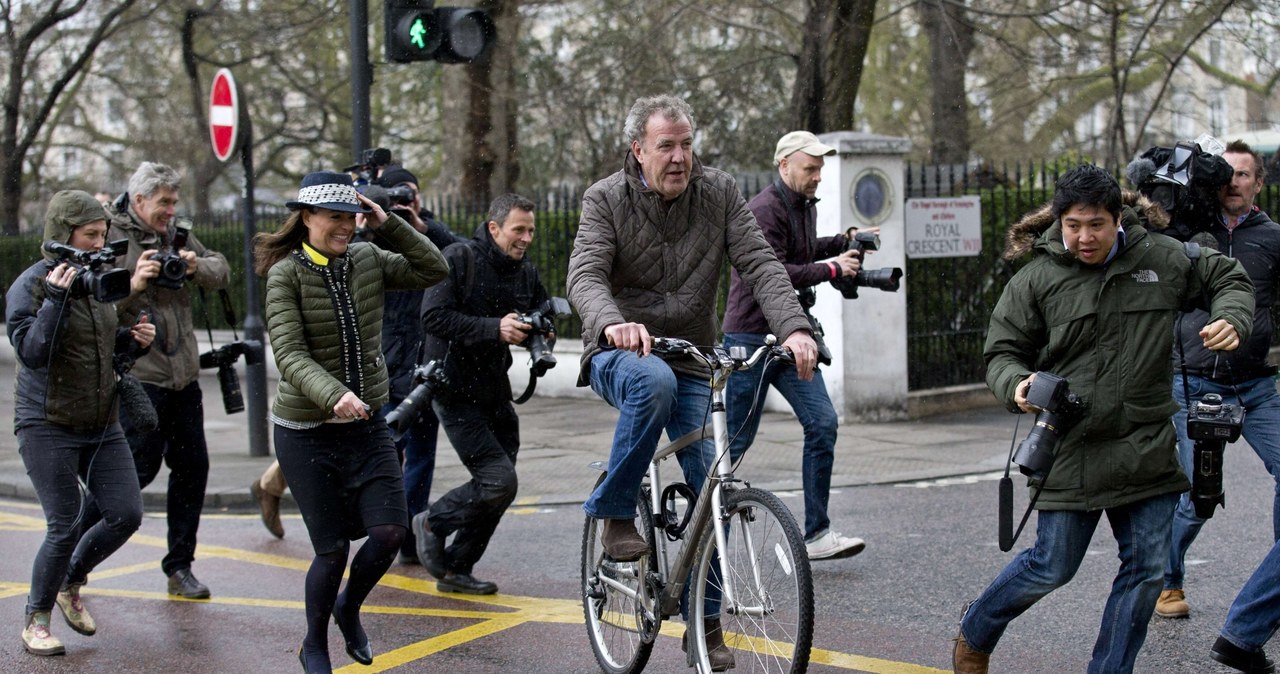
(671, 107)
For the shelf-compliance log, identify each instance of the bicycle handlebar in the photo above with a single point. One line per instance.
(720, 358)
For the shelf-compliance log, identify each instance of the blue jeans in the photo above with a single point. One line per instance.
(650, 397)
(747, 390)
(417, 448)
(56, 459)
(1062, 538)
(1262, 432)
(1255, 614)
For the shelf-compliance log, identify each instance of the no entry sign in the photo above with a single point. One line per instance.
(224, 115)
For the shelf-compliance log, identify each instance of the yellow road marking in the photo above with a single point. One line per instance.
(503, 611)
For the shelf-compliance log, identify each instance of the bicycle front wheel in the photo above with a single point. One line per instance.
(767, 612)
(619, 598)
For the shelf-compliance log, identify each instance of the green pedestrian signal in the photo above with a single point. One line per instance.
(417, 30)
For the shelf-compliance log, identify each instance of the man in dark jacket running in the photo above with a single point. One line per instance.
(471, 319)
(1095, 306)
(1242, 377)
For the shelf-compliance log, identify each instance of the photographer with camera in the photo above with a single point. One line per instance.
(1095, 306)
(66, 339)
(470, 321)
(1243, 377)
(787, 216)
(170, 372)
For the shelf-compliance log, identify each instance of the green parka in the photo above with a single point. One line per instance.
(320, 353)
(1108, 330)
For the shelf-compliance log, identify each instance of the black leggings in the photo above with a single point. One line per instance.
(325, 575)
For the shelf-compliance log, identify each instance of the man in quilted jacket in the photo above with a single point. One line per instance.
(646, 263)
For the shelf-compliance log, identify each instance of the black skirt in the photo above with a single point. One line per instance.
(345, 478)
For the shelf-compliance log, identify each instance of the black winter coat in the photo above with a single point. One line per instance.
(461, 318)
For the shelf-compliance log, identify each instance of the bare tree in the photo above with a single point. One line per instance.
(834, 39)
(47, 46)
(950, 41)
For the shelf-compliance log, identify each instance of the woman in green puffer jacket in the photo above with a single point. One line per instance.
(324, 316)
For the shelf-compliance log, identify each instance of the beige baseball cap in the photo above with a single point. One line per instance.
(801, 141)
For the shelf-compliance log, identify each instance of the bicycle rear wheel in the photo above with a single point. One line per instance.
(619, 599)
(769, 624)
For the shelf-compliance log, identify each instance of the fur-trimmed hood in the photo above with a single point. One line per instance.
(1023, 234)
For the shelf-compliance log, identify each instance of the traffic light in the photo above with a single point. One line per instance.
(416, 30)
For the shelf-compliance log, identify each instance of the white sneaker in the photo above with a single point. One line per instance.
(832, 545)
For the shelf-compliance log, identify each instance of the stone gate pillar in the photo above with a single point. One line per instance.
(862, 187)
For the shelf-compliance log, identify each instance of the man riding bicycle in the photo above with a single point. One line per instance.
(646, 262)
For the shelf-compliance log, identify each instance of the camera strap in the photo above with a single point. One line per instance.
(228, 313)
(1005, 532)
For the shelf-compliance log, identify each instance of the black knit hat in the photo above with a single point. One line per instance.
(397, 175)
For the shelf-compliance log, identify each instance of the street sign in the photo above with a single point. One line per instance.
(224, 115)
(943, 227)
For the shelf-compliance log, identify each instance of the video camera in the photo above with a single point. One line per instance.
(542, 319)
(1211, 423)
(1184, 181)
(371, 162)
(426, 379)
(224, 358)
(888, 279)
(1060, 409)
(173, 269)
(104, 284)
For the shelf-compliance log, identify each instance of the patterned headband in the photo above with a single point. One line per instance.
(328, 193)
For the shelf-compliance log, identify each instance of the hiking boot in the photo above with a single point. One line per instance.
(1250, 662)
(621, 541)
(75, 612)
(183, 583)
(718, 654)
(965, 660)
(832, 545)
(37, 638)
(1173, 604)
(269, 504)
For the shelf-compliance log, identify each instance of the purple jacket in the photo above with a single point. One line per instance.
(789, 223)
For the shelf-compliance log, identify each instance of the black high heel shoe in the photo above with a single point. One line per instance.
(313, 667)
(362, 654)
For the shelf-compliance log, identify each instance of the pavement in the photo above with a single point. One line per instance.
(561, 437)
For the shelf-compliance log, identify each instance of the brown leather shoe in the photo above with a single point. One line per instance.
(1173, 604)
(270, 505)
(719, 655)
(965, 660)
(621, 541)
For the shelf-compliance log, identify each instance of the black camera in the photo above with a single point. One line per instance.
(809, 296)
(888, 279)
(173, 269)
(94, 277)
(371, 161)
(1184, 180)
(542, 321)
(426, 379)
(1060, 409)
(400, 196)
(1211, 423)
(224, 358)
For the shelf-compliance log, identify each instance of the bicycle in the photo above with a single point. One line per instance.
(738, 541)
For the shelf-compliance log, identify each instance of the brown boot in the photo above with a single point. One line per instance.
(965, 660)
(718, 654)
(621, 541)
(1173, 604)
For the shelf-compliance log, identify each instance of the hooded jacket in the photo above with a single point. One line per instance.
(461, 317)
(637, 258)
(64, 345)
(325, 322)
(1105, 328)
(174, 359)
(1256, 244)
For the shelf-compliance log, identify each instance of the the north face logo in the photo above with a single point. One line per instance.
(1146, 276)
